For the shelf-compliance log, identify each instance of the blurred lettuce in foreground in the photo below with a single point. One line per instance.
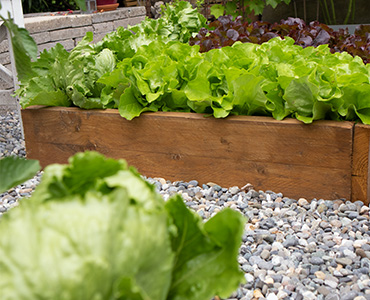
(94, 229)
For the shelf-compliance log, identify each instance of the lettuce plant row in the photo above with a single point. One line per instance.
(151, 67)
(226, 31)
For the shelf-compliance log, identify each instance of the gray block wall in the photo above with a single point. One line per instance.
(68, 30)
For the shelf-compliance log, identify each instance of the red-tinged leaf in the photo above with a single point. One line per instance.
(226, 31)
(322, 38)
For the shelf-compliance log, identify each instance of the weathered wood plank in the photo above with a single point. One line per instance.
(361, 164)
(288, 156)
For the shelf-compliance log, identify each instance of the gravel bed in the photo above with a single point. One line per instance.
(292, 248)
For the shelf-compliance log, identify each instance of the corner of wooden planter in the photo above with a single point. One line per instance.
(361, 164)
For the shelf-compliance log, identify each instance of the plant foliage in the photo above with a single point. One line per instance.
(94, 229)
(244, 8)
(37, 6)
(146, 68)
(225, 32)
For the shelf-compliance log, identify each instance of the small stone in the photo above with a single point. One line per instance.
(359, 243)
(303, 202)
(336, 223)
(343, 261)
(272, 296)
(321, 208)
(352, 215)
(290, 241)
(349, 295)
(320, 275)
(257, 293)
(316, 260)
(323, 290)
(193, 182)
(331, 283)
(234, 190)
(332, 296)
(308, 295)
(364, 210)
(265, 254)
(249, 277)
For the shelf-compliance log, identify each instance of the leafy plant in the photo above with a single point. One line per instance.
(36, 6)
(94, 229)
(15, 170)
(60, 78)
(226, 31)
(275, 78)
(179, 22)
(244, 8)
(24, 47)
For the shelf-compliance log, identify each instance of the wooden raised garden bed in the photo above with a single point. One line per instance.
(326, 159)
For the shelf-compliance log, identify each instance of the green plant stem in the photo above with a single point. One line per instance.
(333, 11)
(353, 10)
(326, 12)
(348, 12)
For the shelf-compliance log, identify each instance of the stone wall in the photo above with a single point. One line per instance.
(68, 30)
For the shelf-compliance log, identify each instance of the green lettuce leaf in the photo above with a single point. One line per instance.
(204, 249)
(95, 229)
(15, 170)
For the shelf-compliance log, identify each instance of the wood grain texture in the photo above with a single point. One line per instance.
(312, 161)
(361, 164)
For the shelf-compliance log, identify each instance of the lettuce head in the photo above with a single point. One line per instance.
(95, 230)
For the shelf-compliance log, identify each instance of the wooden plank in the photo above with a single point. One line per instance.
(361, 164)
(288, 156)
(130, 3)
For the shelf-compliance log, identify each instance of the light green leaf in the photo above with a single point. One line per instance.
(202, 249)
(217, 10)
(15, 170)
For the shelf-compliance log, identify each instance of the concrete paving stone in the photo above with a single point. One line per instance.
(125, 22)
(69, 33)
(103, 27)
(137, 11)
(39, 24)
(4, 58)
(105, 16)
(67, 44)
(41, 37)
(4, 46)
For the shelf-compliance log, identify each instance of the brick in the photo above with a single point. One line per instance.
(103, 27)
(41, 37)
(80, 20)
(69, 33)
(67, 44)
(126, 22)
(4, 58)
(135, 20)
(106, 16)
(4, 85)
(121, 23)
(42, 23)
(7, 101)
(98, 37)
(4, 46)
(137, 11)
